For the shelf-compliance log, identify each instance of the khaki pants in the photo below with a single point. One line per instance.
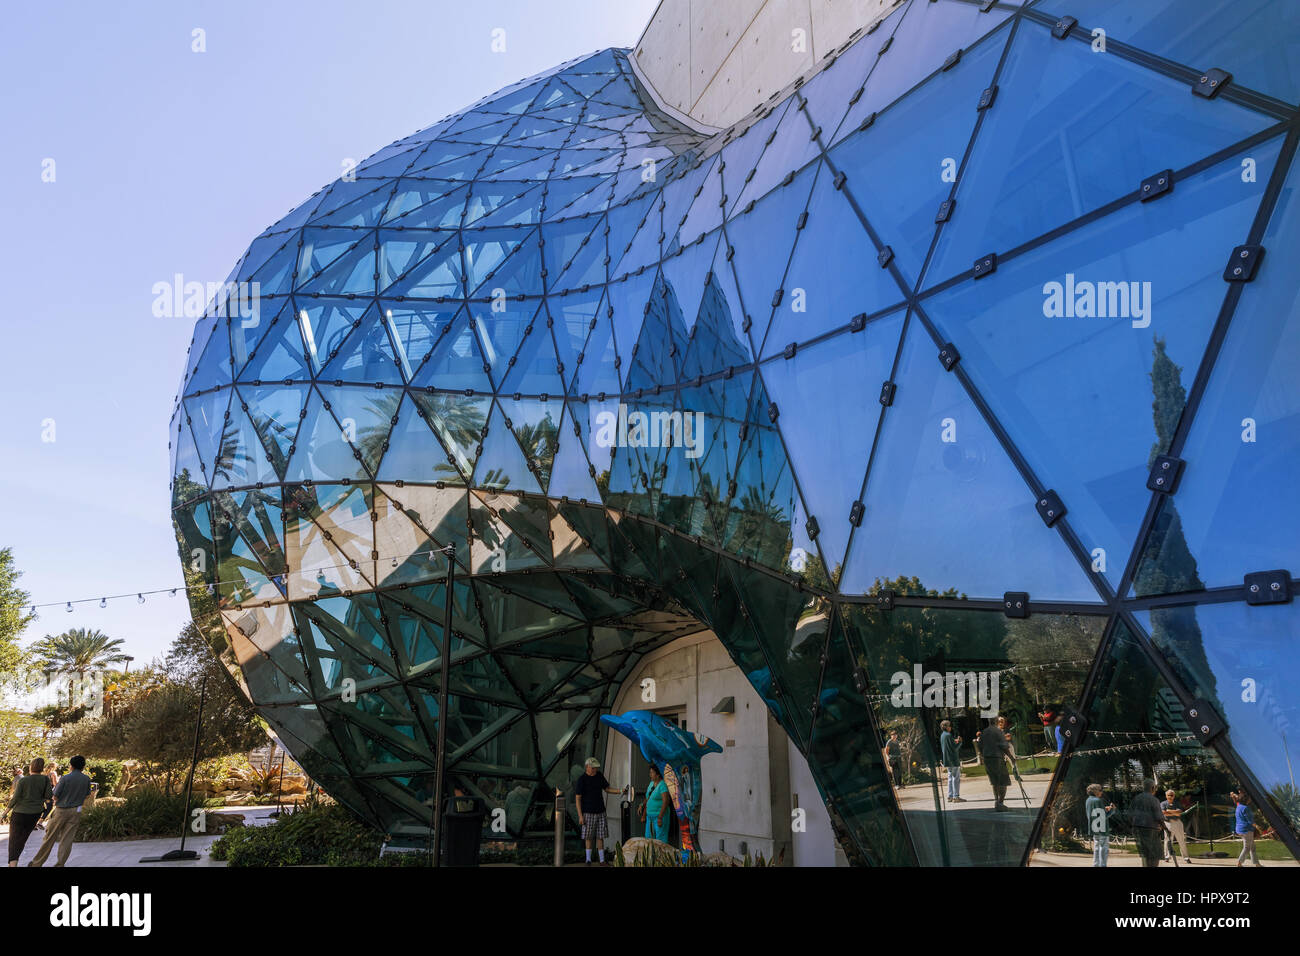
(60, 828)
(1175, 832)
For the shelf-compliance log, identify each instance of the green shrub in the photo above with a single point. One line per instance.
(107, 773)
(146, 812)
(316, 834)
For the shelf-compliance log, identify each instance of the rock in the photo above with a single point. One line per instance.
(294, 785)
(638, 845)
(238, 799)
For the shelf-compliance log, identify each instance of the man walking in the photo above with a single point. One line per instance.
(1148, 823)
(61, 828)
(950, 754)
(1174, 823)
(589, 794)
(996, 750)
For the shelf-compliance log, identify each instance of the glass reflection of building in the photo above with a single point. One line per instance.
(437, 340)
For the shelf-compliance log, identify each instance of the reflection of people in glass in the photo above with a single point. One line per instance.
(1048, 717)
(1174, 826)
(1245, 828)
(995, 747)
(654, 811)
(950, 753)
(893, 752)
(1148, 823)
(1099, 814)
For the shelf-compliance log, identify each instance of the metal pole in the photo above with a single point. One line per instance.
(441, 753)
(559, 827)
(182, 853)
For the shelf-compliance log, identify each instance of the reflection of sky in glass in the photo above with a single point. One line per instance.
(1237, 499)
(954, 514)
(1244, 643)
(1076, 394)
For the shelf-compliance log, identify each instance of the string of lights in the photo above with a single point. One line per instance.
(210, 588)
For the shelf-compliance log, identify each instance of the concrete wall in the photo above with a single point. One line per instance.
(715, 60)
(747, 788)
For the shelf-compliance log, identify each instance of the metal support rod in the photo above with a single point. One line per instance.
(445, 671)
(559, 827)
(194, 757)
(182, 853)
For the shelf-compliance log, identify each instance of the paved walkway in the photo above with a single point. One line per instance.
(129, 852)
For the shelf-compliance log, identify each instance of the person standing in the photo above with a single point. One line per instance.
(1099, 814)
(950, 753)
(69, 795)
(996, 750)
(1245, 828)
(52, 772)
(589, 795)
(1148, 823)
(655, 807)
(894, 757)
(26, 803)
(1174, 823)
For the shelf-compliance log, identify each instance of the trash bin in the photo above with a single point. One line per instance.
(462, 832)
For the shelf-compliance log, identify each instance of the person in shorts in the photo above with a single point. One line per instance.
(589, 794)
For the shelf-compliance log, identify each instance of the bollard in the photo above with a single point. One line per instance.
(559, 827)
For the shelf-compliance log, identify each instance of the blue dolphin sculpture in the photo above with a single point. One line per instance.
(677, 756)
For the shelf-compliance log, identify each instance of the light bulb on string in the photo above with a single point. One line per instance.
(103, 602)
(69, 608)
(139, 598)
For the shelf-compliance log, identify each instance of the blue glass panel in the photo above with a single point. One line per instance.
(366, 355)
(412, 453)
(833, 275)
(417, 327)
(790, 149)
(1070, 131)
(896, 167)
(459, 422)
(321, 451)
(1148, 282)
(536, 425)
(402, 251)
(501, 464)
(325, 324)
(763, 239)
(240, 457)
(686, 272)
(944, 505)
(844, 373)
(1236, 510)
(1242, 660)
(536, 368)
(276, 411)
(456, 362)
(353, 271)
(571, 316)
(1255, 40)
(206, 416)
(926, 35)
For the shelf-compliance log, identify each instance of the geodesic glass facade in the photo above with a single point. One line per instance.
(945, 356)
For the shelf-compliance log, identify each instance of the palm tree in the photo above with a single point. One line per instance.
(78, 651)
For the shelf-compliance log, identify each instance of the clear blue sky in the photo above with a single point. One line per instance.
(171, 161)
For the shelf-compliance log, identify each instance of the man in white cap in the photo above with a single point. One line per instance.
(589, 795)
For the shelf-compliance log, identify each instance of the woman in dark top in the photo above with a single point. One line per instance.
(26, 804)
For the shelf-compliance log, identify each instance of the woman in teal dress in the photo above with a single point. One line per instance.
(656, 807)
